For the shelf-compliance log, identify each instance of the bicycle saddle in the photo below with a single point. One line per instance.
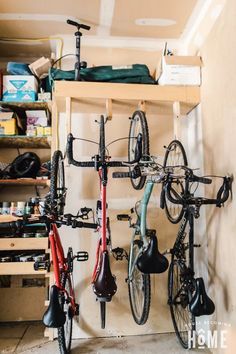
(104, 285)
(151, 260)
(201, 304)
(54, 316)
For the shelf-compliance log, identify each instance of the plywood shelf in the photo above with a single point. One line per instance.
(90, 96)
(21, 141)
(36, 105)
(10, 268)
(18, 243)
(25, 182)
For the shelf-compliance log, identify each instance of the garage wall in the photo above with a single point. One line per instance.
(219, 131)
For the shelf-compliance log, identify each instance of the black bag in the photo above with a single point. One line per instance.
(25, 165)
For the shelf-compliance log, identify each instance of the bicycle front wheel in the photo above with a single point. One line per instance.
(175, 156)
(178, 299)
(139, 287)
(65, 332)
(138, 125)
(57, 185)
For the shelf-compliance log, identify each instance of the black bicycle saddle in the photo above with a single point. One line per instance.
(201, 304)
(54, 316)
(151, 260)
(104, 285)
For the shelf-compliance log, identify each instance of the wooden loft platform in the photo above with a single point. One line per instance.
(124, 98)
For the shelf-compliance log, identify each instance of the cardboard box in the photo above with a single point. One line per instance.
(37, 118)
(180, 70)
(19, 88)
(8, 127)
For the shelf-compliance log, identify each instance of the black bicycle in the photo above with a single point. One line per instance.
(187, 295)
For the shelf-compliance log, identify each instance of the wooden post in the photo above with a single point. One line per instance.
(176, 116)
(55, 142)
(109, 108)
(142, 106)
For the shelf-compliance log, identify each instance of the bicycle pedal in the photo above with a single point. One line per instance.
(42, 265)
(82, 256)
(197, 245)
(150, 232)
(123, 217)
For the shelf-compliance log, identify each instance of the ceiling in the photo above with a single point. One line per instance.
(139, 24)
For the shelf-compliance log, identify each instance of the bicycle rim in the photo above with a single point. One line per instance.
(103, 314)
(183, 320)
(138, 125)
(57, 184)
(65, 332)
(175, 156)
(139, 288)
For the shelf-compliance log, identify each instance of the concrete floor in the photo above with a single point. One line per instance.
(28, 338)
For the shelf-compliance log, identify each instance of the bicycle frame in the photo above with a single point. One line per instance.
(60, 263)
(141, 227)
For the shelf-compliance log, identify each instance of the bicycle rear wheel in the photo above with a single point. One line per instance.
(179, 294)
(138, 125)
(65, 332)
(175, 156)
(57, 185)
(139, 288)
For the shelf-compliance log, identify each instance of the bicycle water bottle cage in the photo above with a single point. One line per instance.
(54, 316)
(104, 285)
(151, 260)
(201, 304)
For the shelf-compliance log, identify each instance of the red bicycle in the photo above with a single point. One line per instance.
(103, 282)
(62, 303)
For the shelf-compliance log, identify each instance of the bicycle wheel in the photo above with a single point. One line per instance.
(102, 147)
(65, 332)
(175, 156)
(57, 185)
(179, 294)
(138, 125)
(139, 288)
(103, 313)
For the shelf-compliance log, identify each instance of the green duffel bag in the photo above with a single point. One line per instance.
(136, 73)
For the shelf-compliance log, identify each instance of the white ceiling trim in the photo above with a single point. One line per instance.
(198, 14)
(106, 16)
(35, 17)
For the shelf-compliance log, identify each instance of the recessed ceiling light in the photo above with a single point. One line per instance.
(162, 22)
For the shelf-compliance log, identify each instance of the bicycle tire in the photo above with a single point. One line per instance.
(140, 313)
(65, 332)
(138, 125)
(179, 309)
(174, 212)
(102, 147)
(57, 185)
(103, 314)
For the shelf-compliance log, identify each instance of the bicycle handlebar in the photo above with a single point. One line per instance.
(221, 197)
(19, 224)
(97, 164)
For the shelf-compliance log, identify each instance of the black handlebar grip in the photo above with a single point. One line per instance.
(69, 148)
(203, 180)
(122, 174)
(162, 198)
(85, 225)
(6, 225)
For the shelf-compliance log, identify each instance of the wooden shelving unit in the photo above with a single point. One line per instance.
(25, 182)
(18, 271)
(21, 141)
